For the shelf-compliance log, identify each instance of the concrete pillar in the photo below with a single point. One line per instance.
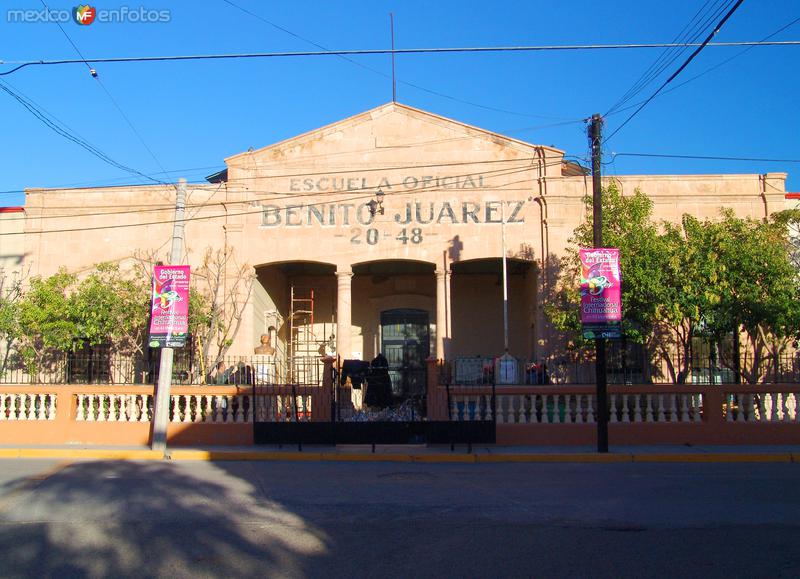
(443, 315)
(344, 310)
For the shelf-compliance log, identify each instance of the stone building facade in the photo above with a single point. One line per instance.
(381, 232)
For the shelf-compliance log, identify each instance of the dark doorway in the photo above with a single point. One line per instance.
(405, 341)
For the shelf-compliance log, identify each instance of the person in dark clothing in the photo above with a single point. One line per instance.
(379, 391)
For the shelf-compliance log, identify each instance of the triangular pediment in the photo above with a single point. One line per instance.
(389, 126)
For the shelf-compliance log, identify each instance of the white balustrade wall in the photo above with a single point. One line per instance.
(761, 408)
(184, 408)
(20, 406)
(275, 407)
(576, 408)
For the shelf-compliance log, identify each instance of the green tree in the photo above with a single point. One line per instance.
(713, 277)
(644, 264)
(45, 319)
(10, 296)
(759, 287)
(111, 306)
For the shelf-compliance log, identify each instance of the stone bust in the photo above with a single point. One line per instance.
(265, 347)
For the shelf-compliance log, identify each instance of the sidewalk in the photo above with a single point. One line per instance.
(418, 453)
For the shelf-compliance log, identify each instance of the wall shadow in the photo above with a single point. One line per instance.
(120, 519)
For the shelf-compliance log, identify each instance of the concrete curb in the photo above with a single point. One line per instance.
(435, 457)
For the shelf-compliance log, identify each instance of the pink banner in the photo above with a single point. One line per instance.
(169, 314)
(601, 291)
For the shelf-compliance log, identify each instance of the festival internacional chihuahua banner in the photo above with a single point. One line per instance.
(169, 307)
(601, 293)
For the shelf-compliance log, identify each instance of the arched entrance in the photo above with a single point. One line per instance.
(405, 341)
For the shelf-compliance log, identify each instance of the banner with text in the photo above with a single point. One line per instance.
(169, 310)
(601, 293)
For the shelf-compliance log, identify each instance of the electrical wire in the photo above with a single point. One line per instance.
(690, 32)
(384, 75)
(705, 157)
(284, 195)
(708, 70)
(105, 90)
(680, 69)
(255, 212)
(447, 50)
(53, 124)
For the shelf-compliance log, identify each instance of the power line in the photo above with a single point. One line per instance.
(705, 157)
(243, 213)
(708, 70)
(688, 33)
(105, 90)
(680, 68)
(289, 195)
(53, 123)
(383, 74)
(474, 49)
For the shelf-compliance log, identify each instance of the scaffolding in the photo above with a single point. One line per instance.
(302, 341)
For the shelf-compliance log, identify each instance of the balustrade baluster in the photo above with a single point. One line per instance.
(648, 408)
(697, 404)
(184, 415)
(545, 410)
(740, 414)
(590, 412)
(684, 408)
(557, 416)
(535, 417)
(661, 416)
(637, 408)
(80, 415)
(612, 409)
(673, 407)
(784, 409)
(144, 414)
(729, 408)
(24, 408)
(488, 399)
(749, 408)
(512, 409)
(500, 413)
(3, 407)
(626, 412)
(523, 409)
(579, 409)
(237, 417)
(207, 408)
(771, 406)
(90, 403)
(50, 413)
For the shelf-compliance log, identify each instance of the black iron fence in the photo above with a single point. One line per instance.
(99, 366)
(629, 366)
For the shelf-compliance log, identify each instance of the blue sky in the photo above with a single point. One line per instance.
(192, 115)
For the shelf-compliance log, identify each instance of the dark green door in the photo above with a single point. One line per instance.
(405, 341)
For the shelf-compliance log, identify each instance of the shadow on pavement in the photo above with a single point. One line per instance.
(113, 519)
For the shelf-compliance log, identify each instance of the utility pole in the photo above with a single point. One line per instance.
(595, 138)
(161, 408)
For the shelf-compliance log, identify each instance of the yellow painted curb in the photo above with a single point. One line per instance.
(210, 455)
(77, 453)
(365, 457)
(715, 457)
(561, 457)
(460, 458)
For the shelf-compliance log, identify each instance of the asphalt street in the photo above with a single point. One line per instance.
(317, 519)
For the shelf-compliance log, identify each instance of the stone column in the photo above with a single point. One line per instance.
(442, 313)
(344, 313)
